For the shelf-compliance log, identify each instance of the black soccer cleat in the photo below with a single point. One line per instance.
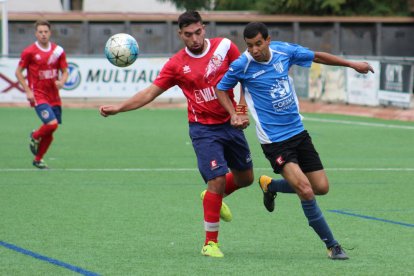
(268, 196)
(40, 164)
(337, 253)
(34, 144)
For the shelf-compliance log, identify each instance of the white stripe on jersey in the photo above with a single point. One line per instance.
(55, 55)
(218, 57)
(261, 134)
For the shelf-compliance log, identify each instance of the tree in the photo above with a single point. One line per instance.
(234, 5)
(334, 7)
(191, 4)
(303, 7)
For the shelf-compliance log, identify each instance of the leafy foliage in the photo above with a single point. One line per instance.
(302, 7)
(190, 4)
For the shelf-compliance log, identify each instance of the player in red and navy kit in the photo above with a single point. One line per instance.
(44, 62)
(219, 147)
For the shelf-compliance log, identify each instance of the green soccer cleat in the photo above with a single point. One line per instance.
(211, 249)
(337, 253)
(40, 164)
(268, 197)
(33, 144)
(225, 213)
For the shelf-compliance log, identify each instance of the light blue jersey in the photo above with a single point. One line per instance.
(268, 91)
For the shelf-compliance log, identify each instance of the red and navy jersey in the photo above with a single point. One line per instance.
(43, 66)
(197, 75)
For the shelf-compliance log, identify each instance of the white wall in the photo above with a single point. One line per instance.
(128, 6)
(34, 6)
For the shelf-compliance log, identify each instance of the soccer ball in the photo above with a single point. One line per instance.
(121, 50)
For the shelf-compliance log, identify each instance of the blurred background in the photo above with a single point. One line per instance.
(379, 31)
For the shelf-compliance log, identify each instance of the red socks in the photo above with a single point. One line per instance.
(212, 204)
(43, 147)
(230, 185)
(45, 134)
(44, 130)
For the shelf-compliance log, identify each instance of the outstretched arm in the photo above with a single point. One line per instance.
(329, 59)
(140, 99)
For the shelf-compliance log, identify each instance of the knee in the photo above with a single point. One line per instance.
(321, 189)
(246, 180)
(51, 128)
(305, 191)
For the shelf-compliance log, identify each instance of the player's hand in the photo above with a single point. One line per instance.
(240, 119)
(107, 110)
(59, 84)
(30, 96)
(362, 67)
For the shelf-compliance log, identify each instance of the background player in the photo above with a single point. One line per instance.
(196, 69)
(263, 72)
(44, 61)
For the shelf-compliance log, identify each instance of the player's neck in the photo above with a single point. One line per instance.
(44, 45)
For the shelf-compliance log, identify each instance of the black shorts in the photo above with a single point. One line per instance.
(298, 149)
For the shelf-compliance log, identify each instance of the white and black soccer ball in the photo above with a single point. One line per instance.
(121, 50)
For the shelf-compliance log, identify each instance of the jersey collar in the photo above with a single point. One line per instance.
(203, 53)
(43, 49)
(250, 57)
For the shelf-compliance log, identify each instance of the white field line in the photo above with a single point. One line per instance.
(169, 170)
(359, 123)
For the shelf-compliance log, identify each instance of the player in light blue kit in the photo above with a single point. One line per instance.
(263, 73)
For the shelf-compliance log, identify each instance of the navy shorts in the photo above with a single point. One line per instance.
(218, 148)
(48, 113)
(298, 149)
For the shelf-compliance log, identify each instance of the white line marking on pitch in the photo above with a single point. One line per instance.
(358, 123)
(185, 169)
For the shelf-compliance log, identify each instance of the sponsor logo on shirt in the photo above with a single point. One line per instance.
(281, 92)
(205, 94)
(186, 69)
(261, 72)
(48, 74)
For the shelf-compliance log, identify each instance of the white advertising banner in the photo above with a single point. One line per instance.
(92, 78)
(362, 89)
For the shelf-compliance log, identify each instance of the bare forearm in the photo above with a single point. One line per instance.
(138, 100)
(22, 81)
(329, 59)
(225, 101)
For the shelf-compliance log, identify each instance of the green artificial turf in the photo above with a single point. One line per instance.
(122, 198)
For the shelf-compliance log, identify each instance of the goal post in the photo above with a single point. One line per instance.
(4, 29)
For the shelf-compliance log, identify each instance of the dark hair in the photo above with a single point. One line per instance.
(42, 23)
(254, 28)
(189, 17)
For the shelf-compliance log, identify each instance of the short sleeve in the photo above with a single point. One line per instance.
(25, 58)
(302, 56)
(232, 76)
(167, 77)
